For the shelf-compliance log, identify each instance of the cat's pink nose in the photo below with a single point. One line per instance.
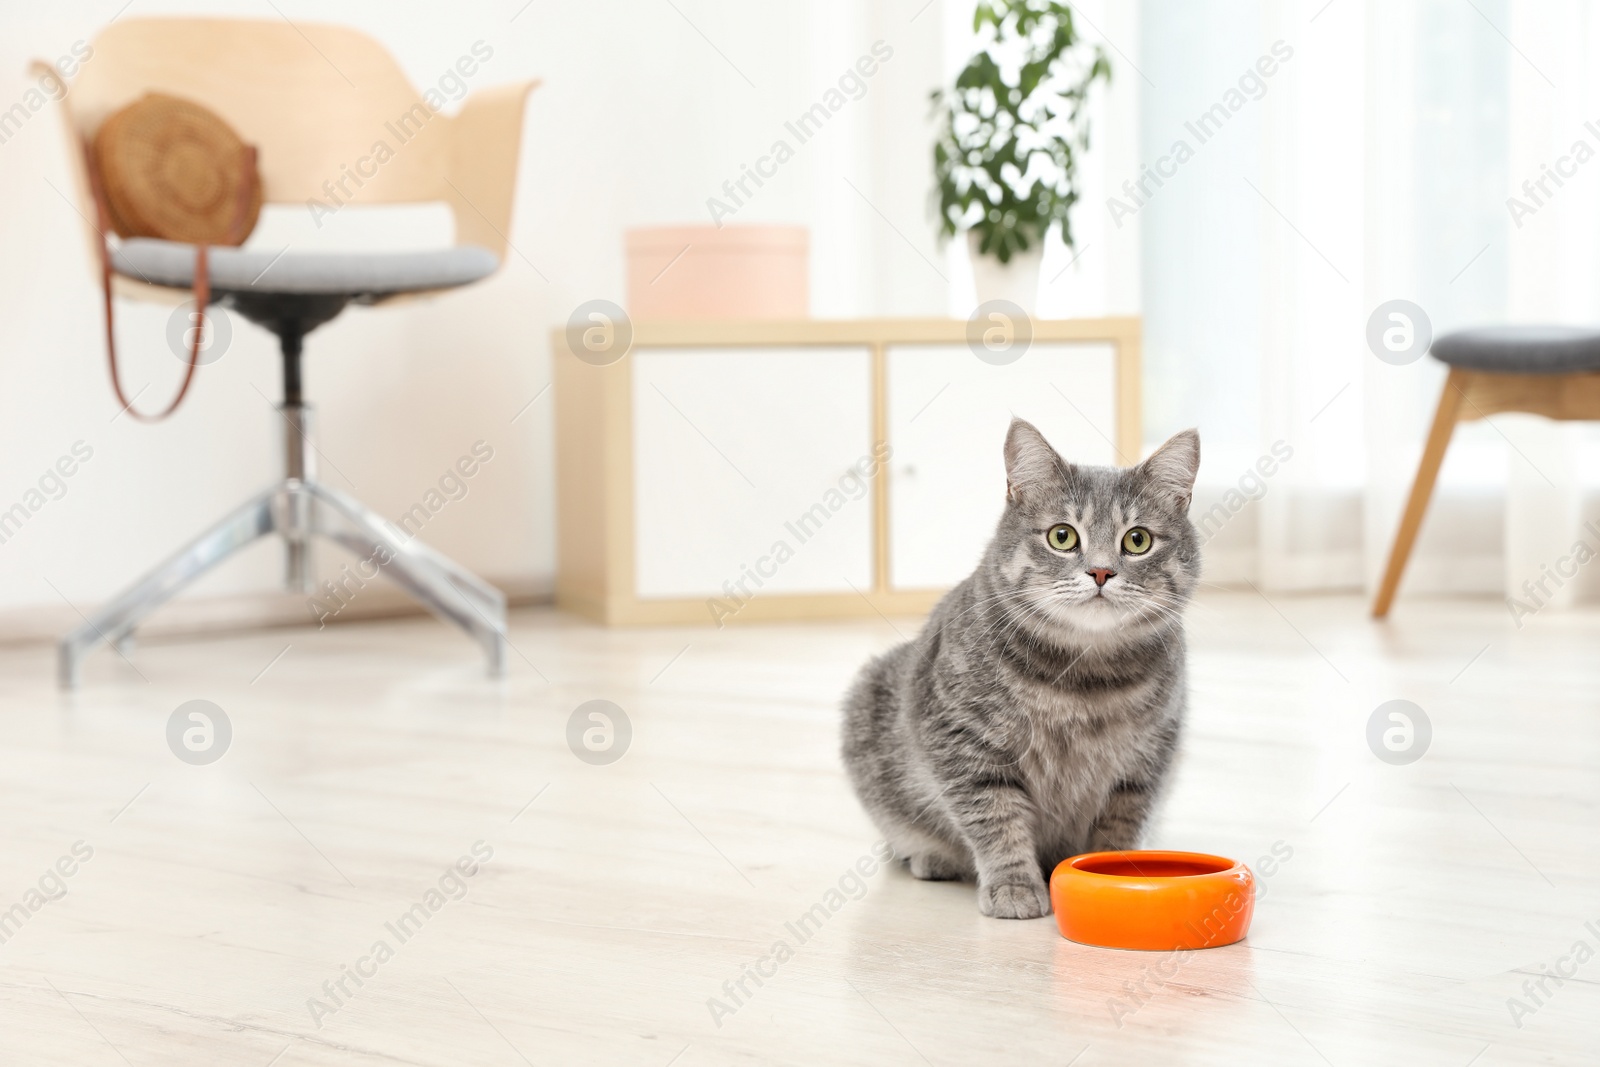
(1101, 575)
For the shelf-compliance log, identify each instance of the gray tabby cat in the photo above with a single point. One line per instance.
(1036, 714)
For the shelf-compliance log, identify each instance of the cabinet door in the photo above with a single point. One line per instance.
(742, 464)
(948, 413)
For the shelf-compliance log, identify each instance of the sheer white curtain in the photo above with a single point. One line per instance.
(1368, 158)
(1554, 274)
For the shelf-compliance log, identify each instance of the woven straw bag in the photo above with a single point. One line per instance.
(167, 168)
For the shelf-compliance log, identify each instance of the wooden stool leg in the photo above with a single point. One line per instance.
(1444, 424)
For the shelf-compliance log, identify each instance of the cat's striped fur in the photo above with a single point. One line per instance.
(1037, 713)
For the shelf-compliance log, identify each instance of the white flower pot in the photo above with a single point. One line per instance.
(1016, 281)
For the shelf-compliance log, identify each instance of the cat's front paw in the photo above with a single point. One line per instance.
(1014, 900)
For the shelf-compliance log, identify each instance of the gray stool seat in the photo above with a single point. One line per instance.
(1521, 349)
(368, 274)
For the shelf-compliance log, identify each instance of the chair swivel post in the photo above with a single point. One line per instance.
(299, 470)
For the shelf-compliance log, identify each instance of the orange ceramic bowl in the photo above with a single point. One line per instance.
(1153, 900)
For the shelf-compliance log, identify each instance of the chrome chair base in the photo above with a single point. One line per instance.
(299, 508)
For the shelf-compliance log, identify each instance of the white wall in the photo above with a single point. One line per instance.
(639, 121)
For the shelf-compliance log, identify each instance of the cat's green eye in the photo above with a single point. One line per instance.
(1137, 541)
(1062, 538)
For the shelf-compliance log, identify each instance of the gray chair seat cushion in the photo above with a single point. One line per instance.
(1521, 349)
(171, 263)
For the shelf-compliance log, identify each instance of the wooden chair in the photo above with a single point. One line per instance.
(1552, 371)
(316, 101)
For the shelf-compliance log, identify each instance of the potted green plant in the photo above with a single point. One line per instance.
(1011, 130)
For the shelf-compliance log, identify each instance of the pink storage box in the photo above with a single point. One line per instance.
(702, 272)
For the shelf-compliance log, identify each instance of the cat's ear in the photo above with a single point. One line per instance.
(1031, 463)
(1173, 466)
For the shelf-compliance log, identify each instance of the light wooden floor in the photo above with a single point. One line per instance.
(369, 758)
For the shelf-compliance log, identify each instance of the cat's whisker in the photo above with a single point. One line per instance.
(1010, 624)
(982, 602)
(1155, 610)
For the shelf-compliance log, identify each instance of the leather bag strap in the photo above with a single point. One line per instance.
(201, 286)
